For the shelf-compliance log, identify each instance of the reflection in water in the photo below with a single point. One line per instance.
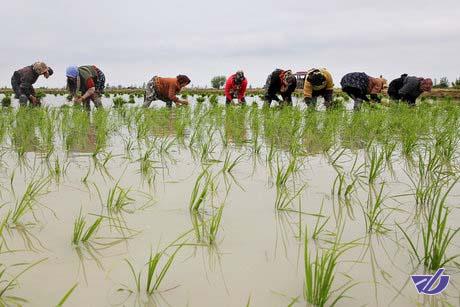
(27, 233)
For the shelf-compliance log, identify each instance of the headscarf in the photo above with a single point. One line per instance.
(40, 67)
(72, 72)
(183, 79)
(239, 77)
(426, 85)
(289, 77)
(316, 78)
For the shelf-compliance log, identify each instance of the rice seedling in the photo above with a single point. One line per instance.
(213, 100)
(119, 102)
(320, 274)
(66, 296)
(376, 164)
(204, 185)
(319, 226)
(156, 270)
(40, 95)
(284, 198)
(436, 236)
(374, 211)
(341, 188)
(214, 224)
(34, 190)
(6, 101)
(81, 233)
(131, 99)
(206, 230)
(9, 285)
(118, 199)
(229, 164)
(146, 163)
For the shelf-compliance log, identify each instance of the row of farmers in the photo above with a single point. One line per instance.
(87, 83)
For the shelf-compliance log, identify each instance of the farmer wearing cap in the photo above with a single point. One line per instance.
(409, 88)
(358, 85)
(318, 82)
(165, 89)
(23, 79)
(281, 82)
(89, 81)
(235, 87)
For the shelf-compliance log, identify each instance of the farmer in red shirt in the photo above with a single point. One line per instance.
(89, 80)
(235, 87)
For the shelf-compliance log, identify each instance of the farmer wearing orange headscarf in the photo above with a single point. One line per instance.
(166, 89)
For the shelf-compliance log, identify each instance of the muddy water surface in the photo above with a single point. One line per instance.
(258, 254)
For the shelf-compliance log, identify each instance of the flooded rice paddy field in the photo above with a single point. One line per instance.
(216, 206)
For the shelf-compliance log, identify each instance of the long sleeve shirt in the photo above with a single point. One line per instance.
(232, 89)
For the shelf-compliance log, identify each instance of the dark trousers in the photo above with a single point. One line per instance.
(326, 94)
(355, 93)
(15, 84)
(409, 99)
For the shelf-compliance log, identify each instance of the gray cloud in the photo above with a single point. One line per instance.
(131, 41)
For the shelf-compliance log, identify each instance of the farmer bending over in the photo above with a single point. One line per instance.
(281, 82)
(165, 89)
(318, 82)
(358, 85)
(23, 79)
(235, 87)
(89, 81)
(409, 88)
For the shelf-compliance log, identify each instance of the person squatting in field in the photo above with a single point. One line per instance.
(235, 88)
(318, 82)
(358, 85)
(281, 82)
(165, 89)
(89, 81)
(23, 79)
(409, 88)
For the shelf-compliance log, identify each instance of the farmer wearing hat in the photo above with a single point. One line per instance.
(358, 85)
(89, 81)
(165, 89)
(235, 87)
(23, 79)
(281, 82)
(318, 82)
(409, 88)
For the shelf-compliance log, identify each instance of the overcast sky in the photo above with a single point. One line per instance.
(133, 40)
